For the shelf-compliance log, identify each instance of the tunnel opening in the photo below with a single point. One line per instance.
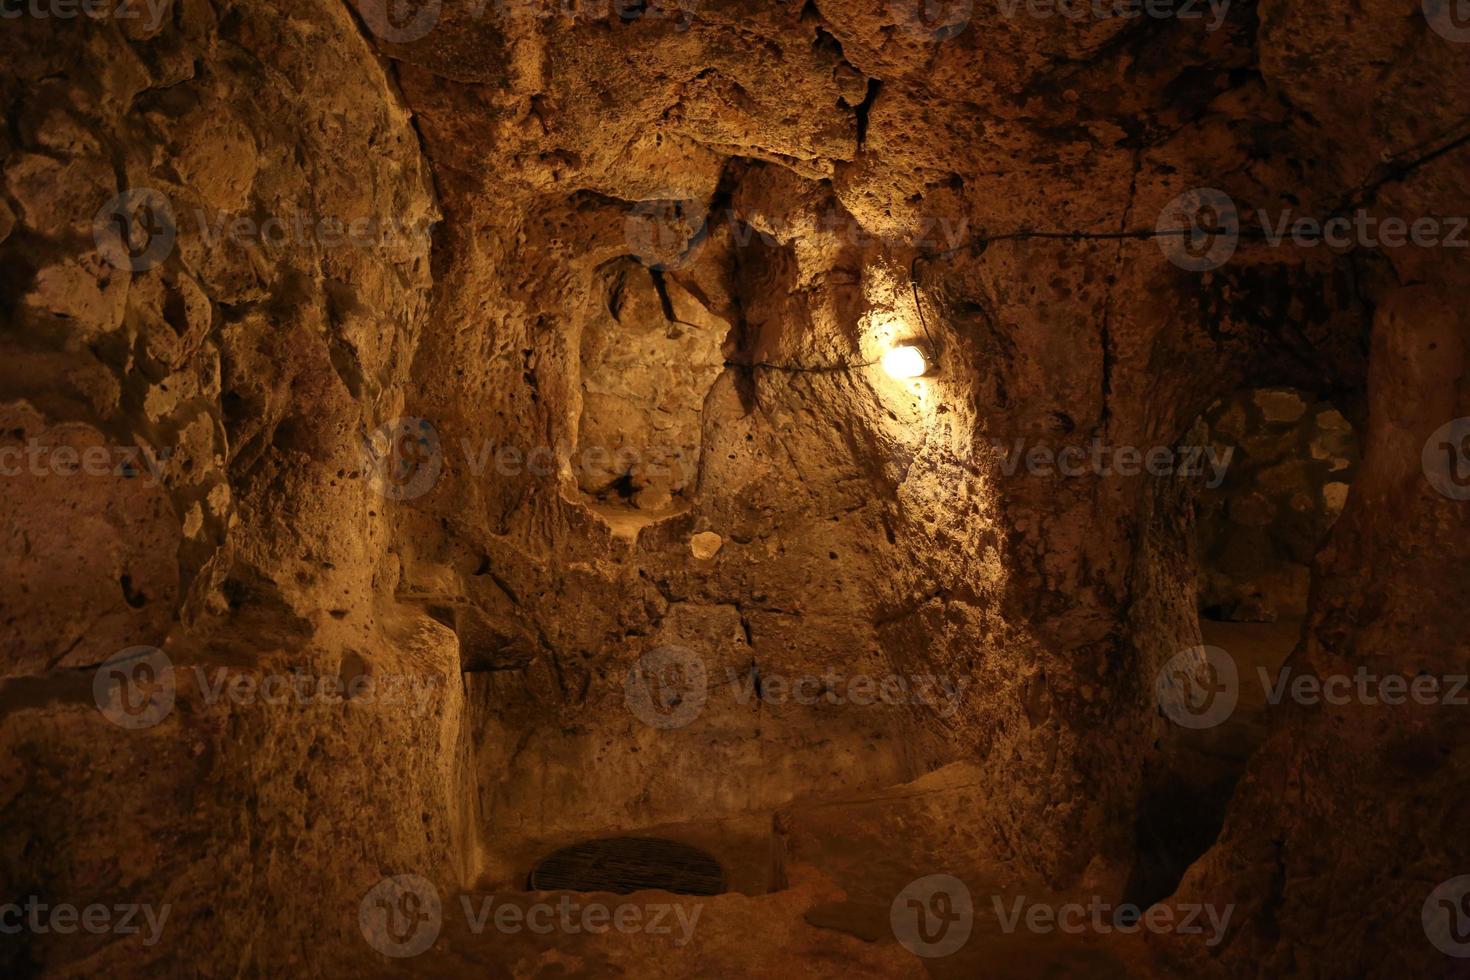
(622, 865)
(650, 353)
(1277, 464)
(1293, 459)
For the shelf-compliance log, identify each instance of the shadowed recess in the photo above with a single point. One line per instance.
(622, 865)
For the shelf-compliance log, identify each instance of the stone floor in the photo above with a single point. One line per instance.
(813, 891)
(814, 888)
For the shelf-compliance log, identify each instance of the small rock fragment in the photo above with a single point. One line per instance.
(705, 545)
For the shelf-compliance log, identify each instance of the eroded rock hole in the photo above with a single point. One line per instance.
(1267, 507)
(650, 352)
(622, 865)
(1274, 468)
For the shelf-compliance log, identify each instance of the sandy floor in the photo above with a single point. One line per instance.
(838, 866)
(815, 887)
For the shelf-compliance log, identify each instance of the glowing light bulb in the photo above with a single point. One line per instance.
(906, 362)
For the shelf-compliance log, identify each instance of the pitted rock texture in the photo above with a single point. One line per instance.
(1279, 477)
(227, 381)
(771, 193)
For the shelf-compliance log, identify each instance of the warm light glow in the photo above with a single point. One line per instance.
(906, 362)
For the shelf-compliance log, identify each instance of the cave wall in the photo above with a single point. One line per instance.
(1288, 460)
(790, 170)
(228, 379)
(1029, 609)
(1338, 835)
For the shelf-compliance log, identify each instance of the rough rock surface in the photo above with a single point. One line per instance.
(360, 457)
(1276, 484)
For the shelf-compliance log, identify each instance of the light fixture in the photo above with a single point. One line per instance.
(906, 361)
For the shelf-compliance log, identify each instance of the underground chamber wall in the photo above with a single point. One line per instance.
(1276, 465)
